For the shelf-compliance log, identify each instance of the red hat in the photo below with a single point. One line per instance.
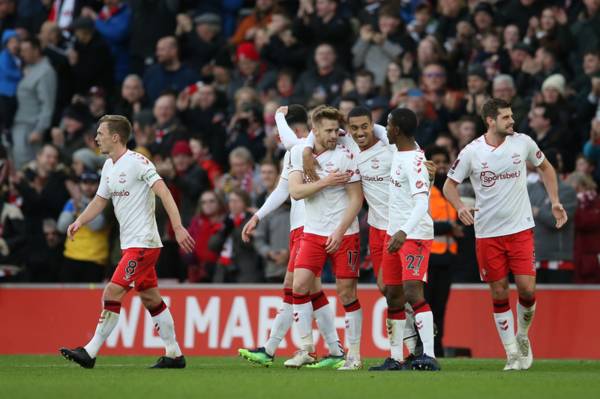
(181, 147)
(247, 50)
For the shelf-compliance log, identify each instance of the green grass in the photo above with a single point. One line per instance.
(127, 377)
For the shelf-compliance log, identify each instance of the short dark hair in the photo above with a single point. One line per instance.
(244, 196)
(359, 111)
(365, 73)
(436, 150)
(350, 98)
(34, 42)
(406, 120)
(491, 107)
(549, 112)
(117, 124)
(296, 114)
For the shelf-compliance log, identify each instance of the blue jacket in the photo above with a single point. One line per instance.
(10, 73)
(115, 32)
(157, 79)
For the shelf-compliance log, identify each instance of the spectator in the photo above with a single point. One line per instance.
(167, 128)
(10, 75)
(452, 11)
(503, 87)
(203, 157)
(168, 73)
(132, 98)
(246, 130)
(259, 18)
(241, 173)
(322, 84)
(238, 261)
(85, 258)
(423, 24)
(544, 129)
(62, 13)
(8, 15)
(36, 94)
(322, 23)
(553, 247)
(283, 49)
(477, 93)
(520, 12)
(427, 129)
(250, 71)
(374, 50)
(161, 16)
(346, 104)
(467, 131)
(587, 229)
(483, 18)
(271, 238)
(590, 66)
(201, 40)
(207, 222)
(510, 37)
(185, 178)
(86, 159)
(591, 149)
(42, 187)
(550, 30)
(364, 86)
(69, 137)
(97, 102)
(269, 173)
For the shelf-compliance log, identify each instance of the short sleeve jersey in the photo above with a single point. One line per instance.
(499, 178)
(127, 182)
(408, 177)
(325, 209)
(297, 213)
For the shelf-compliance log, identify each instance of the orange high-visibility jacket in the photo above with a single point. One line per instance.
(442, 211)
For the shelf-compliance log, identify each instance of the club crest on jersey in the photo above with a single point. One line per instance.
(419, 184)
(122, 177)
(374, 163)
(516, 158)
(329, 167)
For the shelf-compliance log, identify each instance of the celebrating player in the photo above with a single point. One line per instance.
(330, 229)
(131, 181)
(288, 118)
(495, 164)
(408, 243)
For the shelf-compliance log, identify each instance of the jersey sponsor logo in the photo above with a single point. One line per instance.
(122, 193)
(373, 178)
(122, 178)
(489, 178)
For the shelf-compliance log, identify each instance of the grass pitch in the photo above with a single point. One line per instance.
(51, 377)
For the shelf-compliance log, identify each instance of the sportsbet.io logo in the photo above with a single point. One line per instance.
(489, 178)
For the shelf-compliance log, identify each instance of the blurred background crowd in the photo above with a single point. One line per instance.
(201, 80)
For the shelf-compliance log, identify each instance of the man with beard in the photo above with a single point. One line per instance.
(444, 247)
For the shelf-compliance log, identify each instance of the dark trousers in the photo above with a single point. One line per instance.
(437, 292)
(79, 271)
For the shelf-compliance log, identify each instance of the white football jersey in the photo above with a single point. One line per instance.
(408, 177)
(128, 183)
(297, 213)
(374, 165)
(325, 209)
(499, 178)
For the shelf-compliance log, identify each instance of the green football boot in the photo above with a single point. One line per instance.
(258, 356)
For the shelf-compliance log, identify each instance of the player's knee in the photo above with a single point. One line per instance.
(288, 282)
(394, 297)
(301, 287)
(113, 292)
(346, 293)
(413, 293)
(500, 292)
(528, 294)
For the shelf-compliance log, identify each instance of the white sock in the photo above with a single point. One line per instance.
(524, 318)
(303, 318)
(326, 322)
(281, 325)
(353, 329)
(411, 337)
(505, 325)
(424, 322)
(108, 321)
(163, 322)
(395, 331)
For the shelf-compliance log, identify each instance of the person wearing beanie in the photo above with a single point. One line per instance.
(86, 159)
(555, 82)
(249, 71)
(10, 75)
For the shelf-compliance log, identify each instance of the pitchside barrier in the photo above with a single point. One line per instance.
(215, 320)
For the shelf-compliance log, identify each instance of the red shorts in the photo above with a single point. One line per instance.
(497, 256)
(376, 240)
(410, 262)
(136, 269)
(295, 237)
(312, 255)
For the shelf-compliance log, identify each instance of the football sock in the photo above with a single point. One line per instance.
(303, 318)
(525, 313)
(353, 328)
(325, 318)
(411, 337)
(108, 321)
(395, 321)
(505, 325)
(424, 323)
(163, 322)
(281, 324)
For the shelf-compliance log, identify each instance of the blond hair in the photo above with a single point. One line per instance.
(117, 124)
(325, 112)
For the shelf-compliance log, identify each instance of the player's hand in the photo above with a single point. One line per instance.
(184, 239)
(282, 110)
(310, 165)
(396, 242)
(467, 215)
(72, 229)
(336, 178)
(249, 228)
(333, 242)
(430, 169)
(559, 214)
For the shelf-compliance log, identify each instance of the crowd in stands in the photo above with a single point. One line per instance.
(201, 80)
